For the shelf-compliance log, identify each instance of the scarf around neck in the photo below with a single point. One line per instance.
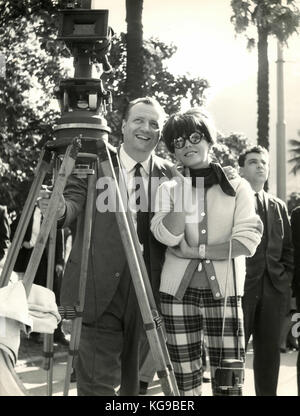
(213, 175)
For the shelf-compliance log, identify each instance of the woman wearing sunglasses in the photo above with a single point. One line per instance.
(209, 225)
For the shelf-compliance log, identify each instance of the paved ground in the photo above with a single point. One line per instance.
(30, 370)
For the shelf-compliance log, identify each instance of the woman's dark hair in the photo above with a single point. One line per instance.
(184, 124)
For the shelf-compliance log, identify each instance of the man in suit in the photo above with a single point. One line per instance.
(295, 224)
(269, 274)
(4, 231)
(109, 351)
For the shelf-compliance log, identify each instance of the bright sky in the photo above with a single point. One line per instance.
(208, 48)
(206, 41)
(200, 29)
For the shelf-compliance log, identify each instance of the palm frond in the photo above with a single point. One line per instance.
(295, 169)
(295, 143)
(295, 153)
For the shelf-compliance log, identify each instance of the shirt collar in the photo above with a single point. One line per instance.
(129, 164)
(264, 200)
(260, 193)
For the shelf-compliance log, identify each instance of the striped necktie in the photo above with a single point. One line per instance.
(260, 210)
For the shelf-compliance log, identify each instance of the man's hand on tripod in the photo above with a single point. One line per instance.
(43, 202)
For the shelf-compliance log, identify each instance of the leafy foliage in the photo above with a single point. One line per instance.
(135, 63)
(295, 151)
(34, 66)
(277, 19)
(293, 201)
(228, 148)
(157, 81)
(271, 18)
(33, 69)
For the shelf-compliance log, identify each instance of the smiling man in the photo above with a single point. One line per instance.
(141, 128)
(112, 327)
(269, 273)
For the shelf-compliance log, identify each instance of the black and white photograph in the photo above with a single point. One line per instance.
(150, 200)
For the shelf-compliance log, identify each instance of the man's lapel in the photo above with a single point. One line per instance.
(158, 172)
(270, 207)
(110, 214)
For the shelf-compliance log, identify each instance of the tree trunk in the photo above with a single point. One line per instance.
(86, 4)
(263, 89)
(134, 40)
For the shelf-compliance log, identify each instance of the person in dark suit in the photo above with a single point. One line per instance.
(112, 330)
(23, 258)
(26, 249)
(295, 224)
(268, 274)
(25, 252)
(4, 231)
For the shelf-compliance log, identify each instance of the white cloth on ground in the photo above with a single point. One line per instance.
(39, 313)
(43, 309)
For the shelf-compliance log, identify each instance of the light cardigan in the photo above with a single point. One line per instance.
(227, 218)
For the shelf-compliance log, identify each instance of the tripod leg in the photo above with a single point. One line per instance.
(153, 307)
(48, 361)
(76, 325)
(128, 236)
(65, 170)
(148, 289)
(41, 170)
(156, 344)
(48, 338)
(10, 384)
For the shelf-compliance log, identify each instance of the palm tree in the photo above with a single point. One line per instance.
(134, 46)
(270, 18)
(295, 150)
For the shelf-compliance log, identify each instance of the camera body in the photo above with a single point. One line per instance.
(83, 100)
(230, 374)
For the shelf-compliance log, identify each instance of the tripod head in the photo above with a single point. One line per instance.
(83, 99)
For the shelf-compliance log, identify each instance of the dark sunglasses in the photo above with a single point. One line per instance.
(194, 138)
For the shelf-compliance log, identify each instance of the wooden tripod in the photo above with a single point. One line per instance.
(152, 322)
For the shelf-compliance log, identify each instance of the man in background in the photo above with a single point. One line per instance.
(268, 275)
(295, 224)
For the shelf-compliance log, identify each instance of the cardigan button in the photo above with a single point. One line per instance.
(212, 278)
(202, 214)
(203, 231)
(217, 295)
(117, 274)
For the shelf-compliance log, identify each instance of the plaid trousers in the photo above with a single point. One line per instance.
(186, 322)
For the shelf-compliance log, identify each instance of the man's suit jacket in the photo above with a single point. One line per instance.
(4, 231)
(107, 259)
(279, 250)
(295, 224)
